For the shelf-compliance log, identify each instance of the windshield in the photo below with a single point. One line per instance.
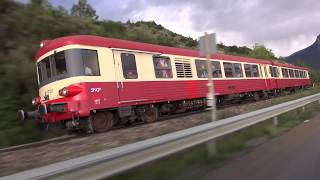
(68, 63)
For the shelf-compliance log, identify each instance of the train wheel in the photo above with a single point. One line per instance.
(102, 121)
(150, 115)
(256, 97)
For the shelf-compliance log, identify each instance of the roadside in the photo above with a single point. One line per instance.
(294, 155)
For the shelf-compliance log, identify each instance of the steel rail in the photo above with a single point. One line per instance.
(109, 162)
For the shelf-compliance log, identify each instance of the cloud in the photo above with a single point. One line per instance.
(283, 25)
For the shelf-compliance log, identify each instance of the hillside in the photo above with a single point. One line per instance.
(24, 26)
(310, 55)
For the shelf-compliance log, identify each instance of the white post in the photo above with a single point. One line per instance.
(275, 121)
(210, 94)
(303, 108)
(211, 145)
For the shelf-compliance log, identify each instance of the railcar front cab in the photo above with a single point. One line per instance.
(62, 94)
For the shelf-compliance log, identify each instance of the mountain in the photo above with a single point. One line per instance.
(310, 55)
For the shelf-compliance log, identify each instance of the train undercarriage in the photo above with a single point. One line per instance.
(104, 120)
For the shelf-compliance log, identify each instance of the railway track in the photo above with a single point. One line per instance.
(37, 144)
(163, 118)
(22, 157)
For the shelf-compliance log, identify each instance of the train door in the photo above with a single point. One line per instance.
(277, 76)
(130, 90)
(272, 78)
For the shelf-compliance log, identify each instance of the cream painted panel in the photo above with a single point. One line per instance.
(145, 67)
(106, 64)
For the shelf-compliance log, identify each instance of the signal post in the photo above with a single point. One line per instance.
(208, 46)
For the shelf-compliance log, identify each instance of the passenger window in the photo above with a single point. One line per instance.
(255, 71)
(291, 73)
(162, 67)
(129, 66)
(296, 73)
(285, 72)
(90, 62)
(274, 71)
(251, 70)
(232, 70)
(201, 67)
(247, 70)
(216, 69)
(60, 62)
(228, 70)
(237, 70)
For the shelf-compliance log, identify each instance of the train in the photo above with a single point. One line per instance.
(93, 83)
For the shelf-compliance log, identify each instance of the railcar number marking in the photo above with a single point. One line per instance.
(93, 90)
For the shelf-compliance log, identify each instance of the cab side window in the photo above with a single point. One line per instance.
(60, 63)
(129, 66)
(90, 62)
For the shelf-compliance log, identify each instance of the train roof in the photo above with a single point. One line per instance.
(91, 40)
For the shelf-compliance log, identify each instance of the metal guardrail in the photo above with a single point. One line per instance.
(109, 162)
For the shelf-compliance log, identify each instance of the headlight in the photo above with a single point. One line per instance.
(36, 101)
(63, 91)
(70, 91)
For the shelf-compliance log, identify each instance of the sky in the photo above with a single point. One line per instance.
(285, 26)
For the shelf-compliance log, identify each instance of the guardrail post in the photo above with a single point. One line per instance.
(275, 121)
(303, 108)
(211, 147)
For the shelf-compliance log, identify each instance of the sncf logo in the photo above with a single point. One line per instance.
(95, 90)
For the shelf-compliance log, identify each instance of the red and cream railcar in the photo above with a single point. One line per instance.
(94, 82)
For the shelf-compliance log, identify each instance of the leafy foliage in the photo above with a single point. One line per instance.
(83, 10)
(261, 52)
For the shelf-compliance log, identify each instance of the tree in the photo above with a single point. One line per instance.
(313, 73)
(260, 51)
(84, 10)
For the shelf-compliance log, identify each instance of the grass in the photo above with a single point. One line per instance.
(195, 162)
